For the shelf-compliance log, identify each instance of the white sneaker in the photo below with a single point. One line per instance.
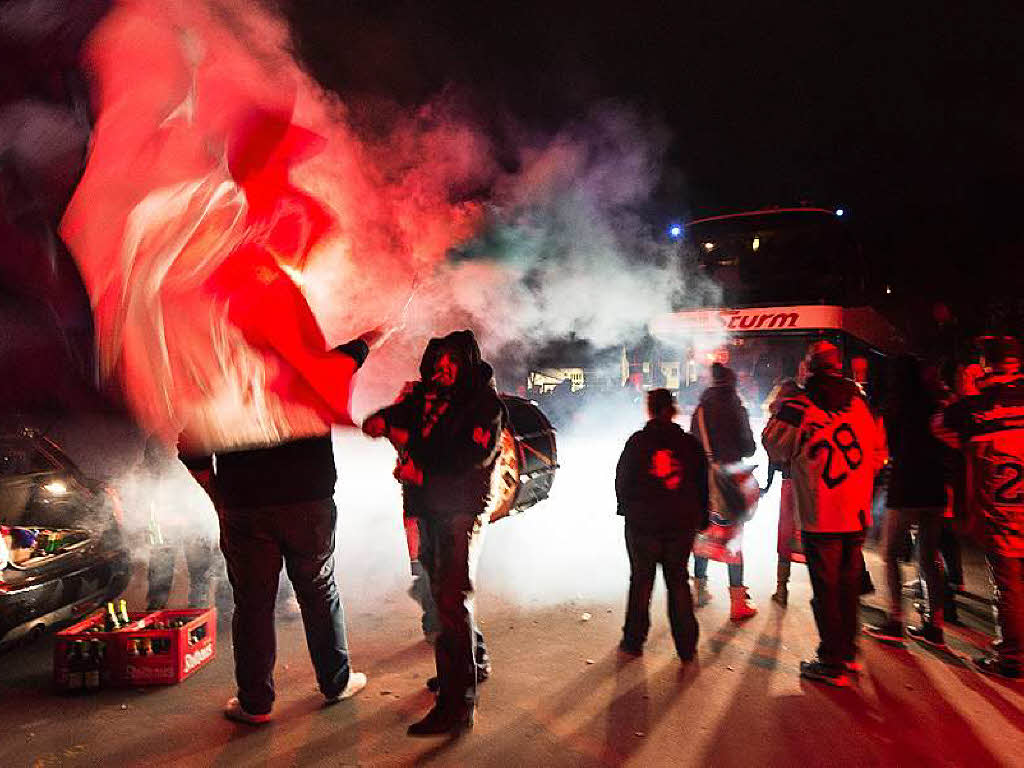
(233, 711)
(356, 683)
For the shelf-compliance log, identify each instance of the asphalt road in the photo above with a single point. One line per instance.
(560, 694)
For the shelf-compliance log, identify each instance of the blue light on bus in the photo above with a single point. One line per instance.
(675, 231)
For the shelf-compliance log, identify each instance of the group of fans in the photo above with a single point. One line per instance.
(681, 492)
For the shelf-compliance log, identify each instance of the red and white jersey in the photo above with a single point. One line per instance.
(834, 447)
(989, 427)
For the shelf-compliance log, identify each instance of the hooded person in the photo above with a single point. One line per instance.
(834, 447)
(448, 428)
(722, 425)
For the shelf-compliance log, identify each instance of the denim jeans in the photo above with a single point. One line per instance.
(835, 563)
(199, 559)
(929, 531)
(452, 544)
(256, 541)
(700, 571)
(1008, 578)
(646, 551)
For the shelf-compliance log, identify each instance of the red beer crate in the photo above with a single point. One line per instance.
(141, 655)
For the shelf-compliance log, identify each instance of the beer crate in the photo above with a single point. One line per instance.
(139, 654)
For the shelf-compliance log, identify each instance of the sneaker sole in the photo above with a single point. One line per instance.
(931, 644)
(896, 642)
(836, 682)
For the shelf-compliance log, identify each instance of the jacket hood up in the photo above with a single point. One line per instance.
(831, 393)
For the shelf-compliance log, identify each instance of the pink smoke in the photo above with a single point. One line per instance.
(172, 82)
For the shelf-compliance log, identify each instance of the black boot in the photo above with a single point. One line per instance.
(442, 720)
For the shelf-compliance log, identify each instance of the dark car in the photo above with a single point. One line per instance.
(63, 553)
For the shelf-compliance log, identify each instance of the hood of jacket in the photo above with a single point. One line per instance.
(720, 394)
(473, 373)
(831, 393)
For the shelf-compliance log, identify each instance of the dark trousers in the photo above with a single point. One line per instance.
(646, 551)
(949, 546)
(835, 563)
(423, 594)
(255, 542)
(1008, 578)
(199, 554)
(452, 542)
(929, 531)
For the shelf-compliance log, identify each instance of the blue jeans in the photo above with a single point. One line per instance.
(256, 541)
(700, 571)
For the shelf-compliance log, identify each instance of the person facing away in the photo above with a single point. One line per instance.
(916, 495)
(834, 447)
(989, 428)
(661, 488)
(722, 425)
(450, 429)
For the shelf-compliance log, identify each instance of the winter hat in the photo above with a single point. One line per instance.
(721, 374)
(824, 356)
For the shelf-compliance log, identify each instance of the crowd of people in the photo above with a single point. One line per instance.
(943, 454)
(682, 493)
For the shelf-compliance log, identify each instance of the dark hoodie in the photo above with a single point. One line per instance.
(726, 422)
(457, 452)
(661, 481)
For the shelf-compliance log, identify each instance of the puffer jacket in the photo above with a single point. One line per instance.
(834, 447)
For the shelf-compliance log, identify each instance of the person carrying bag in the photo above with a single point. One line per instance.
(723, 427)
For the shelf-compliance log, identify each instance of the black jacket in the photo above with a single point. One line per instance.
(918, 468)
(292, 472)
(661, 481)
(458, 453)
(727, 424)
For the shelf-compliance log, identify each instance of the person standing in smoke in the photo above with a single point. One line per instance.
(788, 547)
(661, 487)
(449, 429)
(834, 447)
(721, 423)
(170, 529)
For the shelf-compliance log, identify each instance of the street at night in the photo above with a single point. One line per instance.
(532, 384)
(560, 694)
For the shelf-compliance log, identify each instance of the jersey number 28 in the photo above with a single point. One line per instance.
(843, 442)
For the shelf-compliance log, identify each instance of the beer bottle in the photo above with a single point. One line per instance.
(76, 661)
(94, 670)
(147, 646)
(156, 537)
(111, 623)
(123, 613)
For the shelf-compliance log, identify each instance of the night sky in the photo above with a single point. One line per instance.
(910, 117)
